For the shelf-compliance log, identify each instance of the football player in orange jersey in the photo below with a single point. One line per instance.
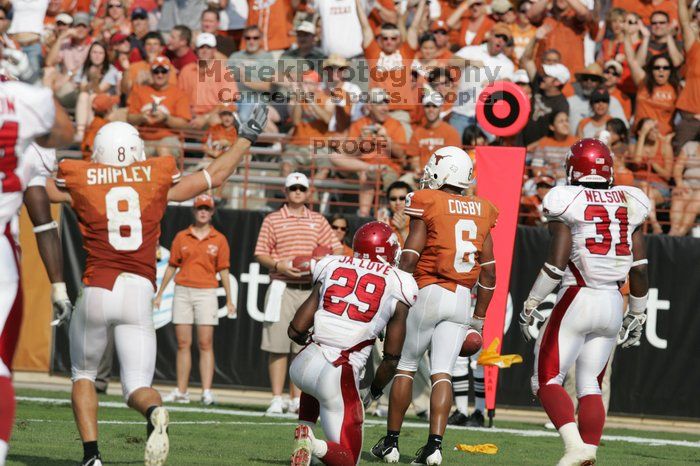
(119, 198)
(449, 250)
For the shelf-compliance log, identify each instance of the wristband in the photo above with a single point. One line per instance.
(45, 227)
(207, 177)
(58, 292)
(639, 262)
(486, 287)
(638, 305)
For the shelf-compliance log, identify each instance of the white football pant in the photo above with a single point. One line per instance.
(128, 307)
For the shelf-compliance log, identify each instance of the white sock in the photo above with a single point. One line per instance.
(3, 451)
(479, 389)
(592, 448)
(571, 436)
(319, 447)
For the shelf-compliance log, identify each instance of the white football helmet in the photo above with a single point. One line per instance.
(448, 165)
(118, 144)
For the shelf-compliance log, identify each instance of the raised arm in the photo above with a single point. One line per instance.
(689, 36)
(367, 33)
(638, 73)
(453, 22)
(412, 34)
(581, 10)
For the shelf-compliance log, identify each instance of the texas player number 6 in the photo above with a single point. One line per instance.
(124, 218)
(464, 248)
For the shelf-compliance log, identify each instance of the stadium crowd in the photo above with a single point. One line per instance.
(363, 92)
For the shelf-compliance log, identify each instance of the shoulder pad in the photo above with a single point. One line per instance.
(558, 199)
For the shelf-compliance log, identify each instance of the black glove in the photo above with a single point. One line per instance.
(252, 128)
(371, 395)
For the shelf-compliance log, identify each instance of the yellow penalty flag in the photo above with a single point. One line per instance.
(490, 357)
(485, 448)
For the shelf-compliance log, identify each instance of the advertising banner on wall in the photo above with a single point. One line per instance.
(657, 378)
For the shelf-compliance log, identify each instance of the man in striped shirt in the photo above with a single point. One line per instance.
(292, 231)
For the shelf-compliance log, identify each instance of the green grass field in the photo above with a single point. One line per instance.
(234, 435)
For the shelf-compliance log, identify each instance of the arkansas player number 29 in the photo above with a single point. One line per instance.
(368, 290)
(124, 218)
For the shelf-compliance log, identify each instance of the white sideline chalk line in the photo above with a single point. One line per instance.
(368, 422)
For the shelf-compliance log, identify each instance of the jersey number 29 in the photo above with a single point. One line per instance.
(124, 229)
(368, 290)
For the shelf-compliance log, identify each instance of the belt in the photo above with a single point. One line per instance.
(300, 286)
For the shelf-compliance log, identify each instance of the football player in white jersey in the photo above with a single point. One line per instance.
(26, 113)
(353, 300)
(596, 243)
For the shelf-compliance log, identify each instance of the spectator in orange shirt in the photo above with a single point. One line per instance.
(102, 106)
(159, 108)
(380, 147)
(200, 252)
(591, 127)
(274, 19)
(431, 135)
(531, 211)
(472, 21)
(568, 21)
(395, 216)
(441, 31)
(612, 73)
(523, 30)
(389, 59)
(660, 39)
(645, 8)
(618, 141)
(652, 161)
(688, 105)
(221, 136)
(620, 22)
(179, 49)
(657, 84)
(549, 153)
(139, 72)
(203, 90)
(685, 205)
(339, 225)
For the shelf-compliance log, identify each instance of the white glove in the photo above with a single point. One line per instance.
(527, 317)
(62, 307)
(477, 324)
(631, 331)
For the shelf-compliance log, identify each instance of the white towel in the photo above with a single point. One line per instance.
(274, 301)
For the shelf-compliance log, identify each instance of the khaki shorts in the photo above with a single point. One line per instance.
(274, 334)
(169, 143)
(195, 306)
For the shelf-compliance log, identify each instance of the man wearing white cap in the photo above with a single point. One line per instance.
(430, 136)
(547, 99)
(292, 232)
(306, 53)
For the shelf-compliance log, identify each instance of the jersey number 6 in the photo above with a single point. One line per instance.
(369, 290)
(464, 248)
(124, 229)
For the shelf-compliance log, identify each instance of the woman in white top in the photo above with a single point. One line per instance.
(97, 75)
(685, 203)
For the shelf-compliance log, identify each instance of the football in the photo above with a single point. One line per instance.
(321, 251)
(472, 343)
(302, 263)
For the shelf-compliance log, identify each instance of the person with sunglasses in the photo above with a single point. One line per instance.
(612, 74)
(395, 216)
(291, 232)
(658, 86)
(688, 105)
(339, 225)
(159, 108)
(198, 253)
(660, 39)
(580, 106)
(441, 33)
(617, 22)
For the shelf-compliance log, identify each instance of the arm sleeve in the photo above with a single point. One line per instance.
(182, 106)
(175, 256)
(405, 289)
(223, 259)
(42, 162)
(556, 202)
(320, 268)
(417, 203)
(63, 175)
(134, 101)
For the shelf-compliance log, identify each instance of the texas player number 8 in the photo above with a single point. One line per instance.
(124, 218)
(465, 230)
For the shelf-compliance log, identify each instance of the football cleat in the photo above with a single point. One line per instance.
(389, 453)
(476, 419)
(457, 418)
(426, 456)
(94, 461)
(158, 444)
(584, 456)
(303, 446)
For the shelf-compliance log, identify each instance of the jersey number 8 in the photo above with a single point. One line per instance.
(124, 218)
